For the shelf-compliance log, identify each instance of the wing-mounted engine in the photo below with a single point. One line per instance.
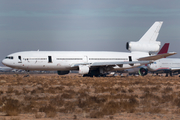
(143, 46)
(143, 71)
(83, 69)
(62, 72)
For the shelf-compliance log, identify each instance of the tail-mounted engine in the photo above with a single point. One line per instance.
(143, 46)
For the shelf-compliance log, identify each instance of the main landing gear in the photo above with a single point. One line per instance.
(90, 75)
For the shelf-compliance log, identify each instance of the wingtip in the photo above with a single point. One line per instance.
(173, 53)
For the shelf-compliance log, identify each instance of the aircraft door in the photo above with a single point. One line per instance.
(85, 59)
(49, 59)
(130, 60)
(19, 59)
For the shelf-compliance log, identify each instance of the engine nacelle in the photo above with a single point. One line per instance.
(143, 46)
(143, 71)
(62, 72)
(83, 69)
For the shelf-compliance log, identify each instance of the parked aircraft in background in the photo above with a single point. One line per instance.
(143, 70)
(165, 65)
(5, 69)
(91, 63)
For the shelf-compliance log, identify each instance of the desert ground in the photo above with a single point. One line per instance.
(68, 97)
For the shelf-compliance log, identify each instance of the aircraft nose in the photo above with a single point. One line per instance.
(4, 62)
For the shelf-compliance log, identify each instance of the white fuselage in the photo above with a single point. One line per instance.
(165, 64)
(54, 60)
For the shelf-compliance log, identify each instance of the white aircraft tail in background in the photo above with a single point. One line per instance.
(164, 49)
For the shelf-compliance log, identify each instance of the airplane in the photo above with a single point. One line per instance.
(91, 63)
(165, 65)
(143, 70)
(5, 69)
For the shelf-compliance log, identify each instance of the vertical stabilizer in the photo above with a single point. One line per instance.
(164, 49)
(153, 32)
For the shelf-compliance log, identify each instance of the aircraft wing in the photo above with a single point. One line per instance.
(142, 61)
(119, 63)
(174, 69)
(156, 57)
(5, 69)
(99, 64)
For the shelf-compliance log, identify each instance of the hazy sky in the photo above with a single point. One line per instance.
(103, 25)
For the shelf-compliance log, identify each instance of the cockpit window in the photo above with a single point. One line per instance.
(9, 57)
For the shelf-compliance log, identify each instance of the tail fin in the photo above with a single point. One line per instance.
(164, 49)
(153, 32)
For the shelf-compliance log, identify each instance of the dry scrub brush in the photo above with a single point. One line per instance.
(95, 96)
(11, 107)
(49, 110)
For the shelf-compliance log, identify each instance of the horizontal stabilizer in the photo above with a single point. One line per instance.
(156, 57)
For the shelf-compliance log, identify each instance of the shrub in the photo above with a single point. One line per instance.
(167, 90)
(96, 114)
(177, 102)
(131, 90)
(49, 110)
(111, 108)
(11, 107)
